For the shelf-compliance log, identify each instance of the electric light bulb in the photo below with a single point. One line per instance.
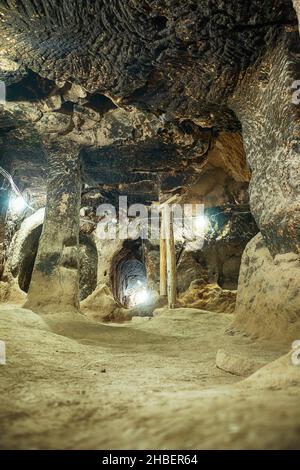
(17, 204)
(141, 296)
(201, 222)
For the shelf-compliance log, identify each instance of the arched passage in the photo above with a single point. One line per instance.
(129, 275)
(132, 282)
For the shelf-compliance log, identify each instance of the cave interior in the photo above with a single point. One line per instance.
(124, 324)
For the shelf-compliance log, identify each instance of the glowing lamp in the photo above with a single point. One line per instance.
(201, 223)
(141, 296)
(17, 204)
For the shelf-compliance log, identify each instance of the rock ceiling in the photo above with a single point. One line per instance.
(142, 87)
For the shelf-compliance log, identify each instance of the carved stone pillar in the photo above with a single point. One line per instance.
(268, 106)
(54, 284)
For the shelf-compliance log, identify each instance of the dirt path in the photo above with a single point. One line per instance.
(146, 384)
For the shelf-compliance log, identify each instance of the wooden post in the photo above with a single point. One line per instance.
(171, 260)
(163, 259)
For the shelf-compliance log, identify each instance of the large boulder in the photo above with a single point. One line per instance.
(101, 306)
(208, 297)
(235, 364)
(268, 298)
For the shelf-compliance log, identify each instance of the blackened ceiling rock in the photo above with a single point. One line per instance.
(179, 58)
(143, 86)
(120, 146)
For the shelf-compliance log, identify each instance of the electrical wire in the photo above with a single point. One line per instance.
(13, 185)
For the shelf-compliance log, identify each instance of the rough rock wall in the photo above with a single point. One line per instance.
(22, 253)
(88, 263)
(106, 250)
(217, 262)
(268, 299)
(20, 257)
(152, 261)
(271, 123)
(209, 297)
(296, 4)
(100, 306)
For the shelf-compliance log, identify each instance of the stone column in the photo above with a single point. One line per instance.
(269, 110)
(268, 299)
(55, 279)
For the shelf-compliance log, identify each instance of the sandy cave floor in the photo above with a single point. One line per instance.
(145, 384)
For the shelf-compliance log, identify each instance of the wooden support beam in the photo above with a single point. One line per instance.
(171, 260)
(163, 258)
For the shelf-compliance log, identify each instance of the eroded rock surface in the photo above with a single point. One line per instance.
(268, 297)
(236, 365)
(208, 297)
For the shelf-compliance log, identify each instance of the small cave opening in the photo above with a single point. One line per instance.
(132, 282)
(129, 276)
(32, 87)
(100, 103)
(160, 22)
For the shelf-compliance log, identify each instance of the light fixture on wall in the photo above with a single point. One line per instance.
(17, 204)
(141, 296)
(201, 223)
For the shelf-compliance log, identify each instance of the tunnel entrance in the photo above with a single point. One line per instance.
(132, 283)
(129, 276)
